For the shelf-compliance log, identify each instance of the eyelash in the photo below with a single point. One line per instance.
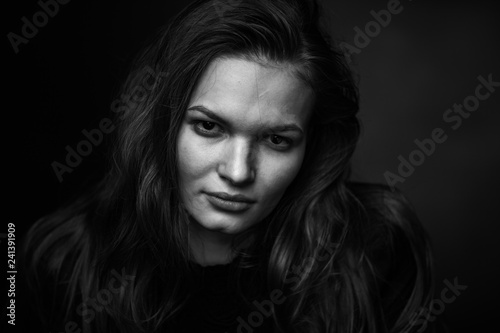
(198, 126)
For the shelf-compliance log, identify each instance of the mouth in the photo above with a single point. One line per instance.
(229, 197)
(231, 203)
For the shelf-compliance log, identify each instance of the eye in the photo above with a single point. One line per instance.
(280, 142)
(207, 128)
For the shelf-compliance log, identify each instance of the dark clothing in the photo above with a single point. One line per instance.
(217, 307)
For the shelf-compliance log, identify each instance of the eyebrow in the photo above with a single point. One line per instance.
(214, 116)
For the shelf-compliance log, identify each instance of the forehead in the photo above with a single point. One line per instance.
(252, 93)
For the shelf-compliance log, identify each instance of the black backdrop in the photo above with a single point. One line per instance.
(428, 57)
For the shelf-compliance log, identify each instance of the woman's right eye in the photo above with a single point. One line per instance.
(207, 128)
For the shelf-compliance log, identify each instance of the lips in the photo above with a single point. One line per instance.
(229, 197)
(227, 202)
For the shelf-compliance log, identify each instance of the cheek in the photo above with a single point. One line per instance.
(193, 160)
(189, 162)
(278, 174)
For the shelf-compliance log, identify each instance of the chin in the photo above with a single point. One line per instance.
(224, 225)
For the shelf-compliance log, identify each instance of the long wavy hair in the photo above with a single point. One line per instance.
(375, 271)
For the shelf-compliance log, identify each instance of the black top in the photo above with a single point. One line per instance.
(216, 306)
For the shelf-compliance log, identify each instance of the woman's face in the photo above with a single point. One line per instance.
(241, 143)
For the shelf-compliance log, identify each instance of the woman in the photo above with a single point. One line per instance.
(227, 207)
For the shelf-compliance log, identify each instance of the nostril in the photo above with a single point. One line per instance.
(238, 177)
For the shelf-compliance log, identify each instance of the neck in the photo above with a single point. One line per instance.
(210, 247)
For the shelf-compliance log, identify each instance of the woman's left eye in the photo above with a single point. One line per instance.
(279, 141)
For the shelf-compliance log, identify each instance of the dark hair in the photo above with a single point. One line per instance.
(379, 275)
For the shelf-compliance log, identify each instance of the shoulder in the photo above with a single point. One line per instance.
(383, 201)
(389, 217)
(399, 250)
(53, 252)
(54, 238)
(62, 235)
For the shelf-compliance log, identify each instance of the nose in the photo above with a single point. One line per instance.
(237, 164)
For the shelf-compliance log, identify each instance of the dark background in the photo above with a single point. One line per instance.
(426, 59)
